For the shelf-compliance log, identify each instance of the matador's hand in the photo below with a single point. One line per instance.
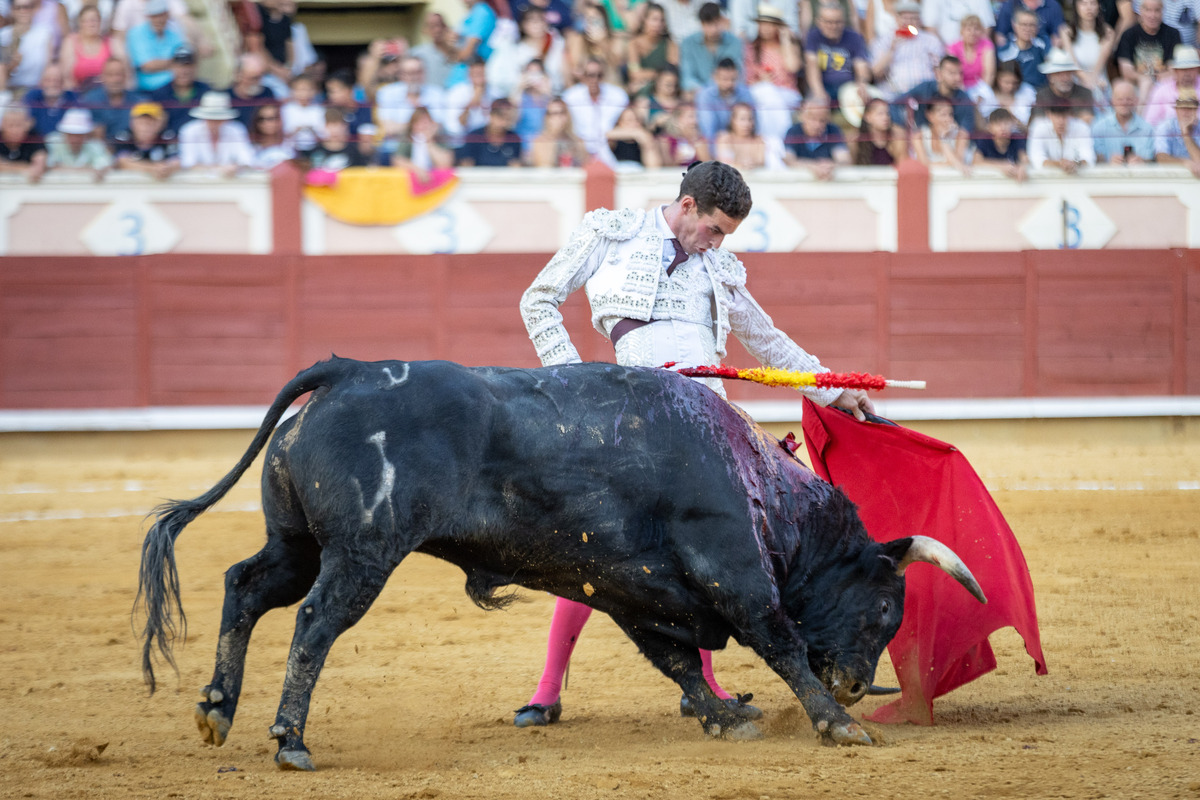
(856, 402)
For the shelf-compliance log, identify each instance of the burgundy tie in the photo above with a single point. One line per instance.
(680, 256)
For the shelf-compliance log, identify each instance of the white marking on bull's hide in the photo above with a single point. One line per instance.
(393, 381)
(387, 478)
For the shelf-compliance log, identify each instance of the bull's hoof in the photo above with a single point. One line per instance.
(737, 731)
(739, 705)
(847, 733)
(536, 715)
(295, 759)
(744, 732)
(214, 726)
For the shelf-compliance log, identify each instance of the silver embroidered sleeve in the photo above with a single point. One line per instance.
(565, 273)
(754, 328)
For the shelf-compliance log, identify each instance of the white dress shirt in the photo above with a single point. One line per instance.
(1075, 145)
(392, 103)
(196, 146)
(592, 119)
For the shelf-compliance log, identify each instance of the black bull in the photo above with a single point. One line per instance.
(636, 491)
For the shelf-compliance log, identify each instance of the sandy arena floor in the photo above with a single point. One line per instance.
(416, 701)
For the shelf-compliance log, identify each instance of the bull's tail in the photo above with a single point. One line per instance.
(158, 580)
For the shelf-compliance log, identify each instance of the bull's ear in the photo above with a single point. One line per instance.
(893, 552)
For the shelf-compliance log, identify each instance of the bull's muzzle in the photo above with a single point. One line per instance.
(846, 689)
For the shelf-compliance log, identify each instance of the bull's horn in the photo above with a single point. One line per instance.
(878, 690)
(931, 551)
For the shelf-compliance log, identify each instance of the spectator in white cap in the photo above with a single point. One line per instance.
(907, 56)
(152, 45)
(1062, 88)
(1184, 74)
(72, 146)
(214, 138)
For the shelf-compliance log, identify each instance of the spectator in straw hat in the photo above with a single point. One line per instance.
(773, 54)
(1122, 136)
(1177, 140)
(907, 56)
(214, 137)
(771, 64)
(72, 145)
(1062, 88)
(1185, 74)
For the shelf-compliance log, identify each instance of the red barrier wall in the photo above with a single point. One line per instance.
(175, 330)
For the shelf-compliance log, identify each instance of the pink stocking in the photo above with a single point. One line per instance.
(706, 668)
(569, 619)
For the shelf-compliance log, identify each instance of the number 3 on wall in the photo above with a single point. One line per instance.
(447, 231)
(133, 240)
(1072, 235)
(761, 239)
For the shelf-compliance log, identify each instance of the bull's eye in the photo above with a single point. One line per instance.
(885, 607)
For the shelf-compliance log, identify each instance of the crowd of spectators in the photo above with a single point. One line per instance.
(99, 85)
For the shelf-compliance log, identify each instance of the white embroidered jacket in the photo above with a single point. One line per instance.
(618, 256)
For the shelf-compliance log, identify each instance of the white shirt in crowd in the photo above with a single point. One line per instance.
(945, 16)
(1076, 144)
(128, 14)
(457, 98)
(196, 147)
(683, 17)
(592, 119)
(393, 105)
(34, 48)
(302, 125)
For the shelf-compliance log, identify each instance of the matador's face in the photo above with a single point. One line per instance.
(699, 232)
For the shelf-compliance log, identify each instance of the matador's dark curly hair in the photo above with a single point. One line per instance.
(713, 184)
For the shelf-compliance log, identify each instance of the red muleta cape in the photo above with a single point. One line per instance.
(906, 483)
